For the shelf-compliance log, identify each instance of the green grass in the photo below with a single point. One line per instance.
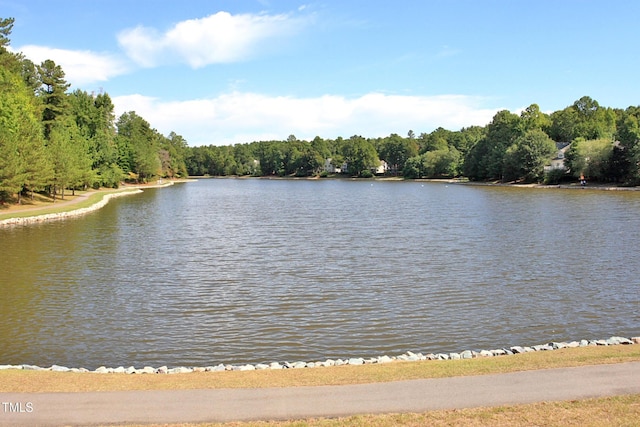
(44, 208)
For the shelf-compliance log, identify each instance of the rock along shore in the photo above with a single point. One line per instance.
(63, 215)
(407, 357)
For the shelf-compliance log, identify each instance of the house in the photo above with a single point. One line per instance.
(558, 161)
(329, 167)
(381, 169)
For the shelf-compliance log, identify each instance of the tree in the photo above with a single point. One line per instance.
(24, 165)
(6, 25)
(395, 150)
(71, 161)
(629, 137)
(532, 118)
(486, 159)
(52, 93)
(589, 158)
(526, 158)
(138, 147)
(360, 155)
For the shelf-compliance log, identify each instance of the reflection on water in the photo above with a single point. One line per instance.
(247, 271)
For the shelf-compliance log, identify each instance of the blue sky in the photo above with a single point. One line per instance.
(225, 72)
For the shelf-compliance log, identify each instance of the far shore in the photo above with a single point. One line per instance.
(43, 208)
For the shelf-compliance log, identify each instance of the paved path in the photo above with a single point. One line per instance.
(58, 409)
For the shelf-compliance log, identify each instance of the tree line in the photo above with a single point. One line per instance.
(602, 145)
(53, 140)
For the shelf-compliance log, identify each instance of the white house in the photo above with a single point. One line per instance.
(329, 167)
(558, 161)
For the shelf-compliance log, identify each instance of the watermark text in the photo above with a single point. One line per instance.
(16, 407)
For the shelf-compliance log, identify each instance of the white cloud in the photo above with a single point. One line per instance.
(246, 117)
(218, 38)
(80, 66)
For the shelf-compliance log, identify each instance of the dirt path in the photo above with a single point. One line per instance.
(223, 405)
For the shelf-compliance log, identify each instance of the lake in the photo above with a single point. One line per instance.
(257, 270)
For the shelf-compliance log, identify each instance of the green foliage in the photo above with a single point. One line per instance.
(442, 163)
(396, 150)
(554, 176)
(526, 158)
(360, 156)
(23, 162)
(6, 25)
(138, 147)
(589, 158)
(52, 94)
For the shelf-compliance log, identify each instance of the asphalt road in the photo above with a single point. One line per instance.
(167, 406)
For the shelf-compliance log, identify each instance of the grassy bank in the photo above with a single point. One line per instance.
(609, 411)
(44, 205)
(45, 381)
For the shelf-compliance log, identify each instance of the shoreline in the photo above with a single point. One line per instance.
(38, 218)
(39, 214)
(464, 181)
(409, 356)
(138, 188)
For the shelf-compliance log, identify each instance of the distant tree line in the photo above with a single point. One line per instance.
(603, 145)
(53, 140)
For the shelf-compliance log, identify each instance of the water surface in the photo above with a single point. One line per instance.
(248, 271)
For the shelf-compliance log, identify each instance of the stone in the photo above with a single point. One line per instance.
(517, 349)
(355, 361)
(275, 365)
(542, 347)
(32, 368)
(498, 352)
(57, 368)
(299, 365)
(636, 340)
(119, 370)
(162, 370)
(180, 370)
(409, 357)
(262, 366)
(147, 370)
(619, 340)
(101, 370)
(467, 354)
(384, 359)
(454, 356)
(246, 368)
(486, 353)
